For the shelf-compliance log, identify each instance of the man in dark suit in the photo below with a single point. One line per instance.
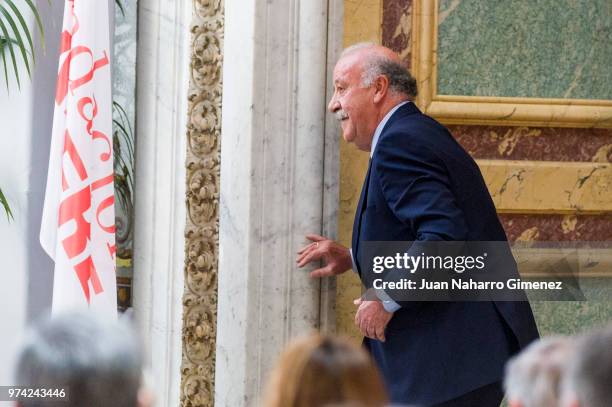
(421, 186)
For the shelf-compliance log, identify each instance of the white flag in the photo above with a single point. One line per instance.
(78, 225)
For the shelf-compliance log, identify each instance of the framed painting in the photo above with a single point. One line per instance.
(517, 62)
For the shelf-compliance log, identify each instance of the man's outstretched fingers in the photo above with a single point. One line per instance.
(306, 258)
(312, 245)
(305, 254)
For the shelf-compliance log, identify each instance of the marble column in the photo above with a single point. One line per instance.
(163, 72)
(278, 182)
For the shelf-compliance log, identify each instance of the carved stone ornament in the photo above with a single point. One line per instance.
(202, 200)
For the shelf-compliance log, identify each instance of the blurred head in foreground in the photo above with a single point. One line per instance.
(533, 378)
(588, 382)
(318, 371)
(99, 363)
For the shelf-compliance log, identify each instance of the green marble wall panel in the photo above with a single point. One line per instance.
(525, 48)
(572, 317)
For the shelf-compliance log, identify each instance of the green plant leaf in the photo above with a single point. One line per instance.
(2, 48)
(24, 27)
(17, 36)
(9, 45)
(124, 158)
(5, 205)
(16, 21)
(13, 29)
(3, 41)
(126, 128)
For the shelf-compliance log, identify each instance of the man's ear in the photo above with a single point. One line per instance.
(381, 88)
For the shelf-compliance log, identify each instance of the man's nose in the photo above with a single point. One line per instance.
(333, 105)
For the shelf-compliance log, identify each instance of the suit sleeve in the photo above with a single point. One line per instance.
(417, 187)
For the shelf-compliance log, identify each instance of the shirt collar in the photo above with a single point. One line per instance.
(382, 124)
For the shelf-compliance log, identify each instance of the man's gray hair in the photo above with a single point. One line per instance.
(400, 80)
(589, 376)
(99, 363)
(533, 377)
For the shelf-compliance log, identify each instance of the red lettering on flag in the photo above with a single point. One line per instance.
(74, 208)
(66, 36)
(86, 271)
(101, 182)
(84, 101)
(80, 179)
(63, 79)
(77, 162)
(99, 135)
(65, 45)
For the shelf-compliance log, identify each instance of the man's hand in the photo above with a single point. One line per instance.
(372, 318)
(337, 258)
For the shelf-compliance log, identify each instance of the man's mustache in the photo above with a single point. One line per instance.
(341, 115)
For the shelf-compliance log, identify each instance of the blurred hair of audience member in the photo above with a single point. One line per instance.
(588, 382)
(533, 377)
(98, 363)
(322, 371)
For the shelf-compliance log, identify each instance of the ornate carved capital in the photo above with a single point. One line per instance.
(202, 230)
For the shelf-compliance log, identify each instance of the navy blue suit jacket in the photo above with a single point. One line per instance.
(422, 185)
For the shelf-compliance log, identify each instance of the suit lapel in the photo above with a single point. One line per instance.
(359, 214)
(407, 109)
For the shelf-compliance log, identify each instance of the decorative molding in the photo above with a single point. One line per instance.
(202, 183)
(548, 186)
(457, 109)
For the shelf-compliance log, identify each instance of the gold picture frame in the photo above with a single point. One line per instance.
(508, 111)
